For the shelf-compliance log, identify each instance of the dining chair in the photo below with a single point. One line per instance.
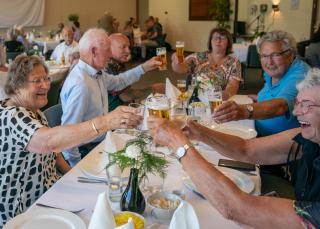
(253, 61)
(54, 93)
(53, 115)
(12, 55)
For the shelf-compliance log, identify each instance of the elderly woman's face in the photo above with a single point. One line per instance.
(34, 94)
(307, 110)
(274, 60)
(219, 42)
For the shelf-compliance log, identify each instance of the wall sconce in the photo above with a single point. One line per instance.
(275, 8)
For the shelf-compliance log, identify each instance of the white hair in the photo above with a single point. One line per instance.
(288, 41)
(93, 37)
(312, 79)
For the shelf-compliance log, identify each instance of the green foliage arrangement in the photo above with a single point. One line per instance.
(136, 155)
(73, 17)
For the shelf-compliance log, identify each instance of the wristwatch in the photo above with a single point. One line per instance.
(249, 108)
(181, 151)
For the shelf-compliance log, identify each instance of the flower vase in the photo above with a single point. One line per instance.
(132, 198)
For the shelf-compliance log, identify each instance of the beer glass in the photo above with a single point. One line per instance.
(179, 117)
(141, 110)
(197, 110)
(162, 57)
(180, 50)
(214, 95)
(182, 85)
(159, 106)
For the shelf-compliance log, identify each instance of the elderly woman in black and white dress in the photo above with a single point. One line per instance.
(28, 164)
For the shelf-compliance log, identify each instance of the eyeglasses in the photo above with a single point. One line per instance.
(38, 81)
(304, 105)
(219, 38)
(274, 56)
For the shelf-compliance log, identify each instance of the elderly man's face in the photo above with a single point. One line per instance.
(68, 36)
(307, 110)
(274, 60)
(101, 54)
(120, 49)
(34, 94)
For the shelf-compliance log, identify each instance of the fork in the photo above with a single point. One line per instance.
(48, 206)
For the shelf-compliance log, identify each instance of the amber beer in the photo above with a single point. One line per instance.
(162, 57)
(182, 85)
(160, 113)
(215, 104)
(180, 51)
(159, 106)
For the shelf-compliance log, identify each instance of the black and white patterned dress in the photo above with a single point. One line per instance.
(24, 176)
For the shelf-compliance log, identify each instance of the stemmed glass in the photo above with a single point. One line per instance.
(214, 95)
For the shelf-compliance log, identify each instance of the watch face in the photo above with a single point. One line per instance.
(181, 152)
(249, 107)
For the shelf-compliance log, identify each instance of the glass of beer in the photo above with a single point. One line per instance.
(162, 57)
(180, 50)
(214, 95)
(179, 117)
(159, 106)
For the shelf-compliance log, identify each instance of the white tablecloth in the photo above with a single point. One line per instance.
(240, 51)
(67, 189)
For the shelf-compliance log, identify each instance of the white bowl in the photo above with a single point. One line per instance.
(161, 213)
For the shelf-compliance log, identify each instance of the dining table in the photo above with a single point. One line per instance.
(47, 43)
(240, 50)
(67, 190)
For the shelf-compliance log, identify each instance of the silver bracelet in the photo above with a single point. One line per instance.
(94, 127)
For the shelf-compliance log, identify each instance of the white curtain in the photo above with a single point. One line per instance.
(21, 12)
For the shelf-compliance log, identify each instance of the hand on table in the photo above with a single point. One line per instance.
(124, 117)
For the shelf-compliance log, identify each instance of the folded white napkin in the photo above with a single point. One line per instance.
(114, 142)
(102, 217)
(184, 217)
(172, 93)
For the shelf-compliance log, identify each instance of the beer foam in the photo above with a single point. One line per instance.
(158, 103)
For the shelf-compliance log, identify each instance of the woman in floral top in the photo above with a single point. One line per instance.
(215, 63)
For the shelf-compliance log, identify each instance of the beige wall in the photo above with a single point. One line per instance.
(297, 22)
(89, 11)
(194, 33)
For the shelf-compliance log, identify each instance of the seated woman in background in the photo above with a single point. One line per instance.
(11, 44)
(27, 144)
(216, 62)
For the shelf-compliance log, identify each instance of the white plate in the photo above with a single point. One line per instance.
(235, 129)
(46, 218)
(244, 182)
